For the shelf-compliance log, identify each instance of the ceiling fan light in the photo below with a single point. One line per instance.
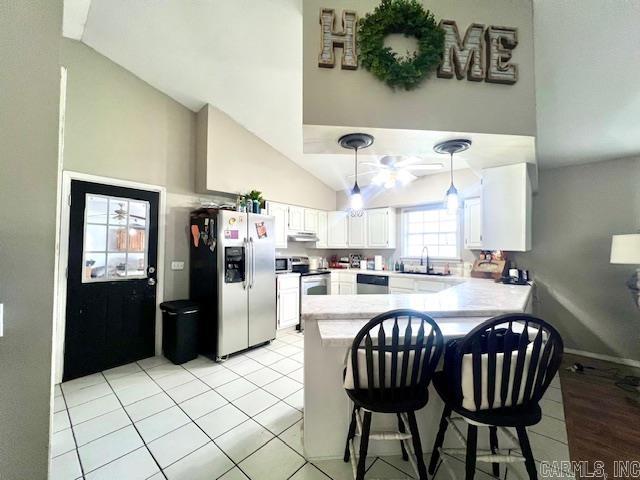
(405, 178)
(380, 178)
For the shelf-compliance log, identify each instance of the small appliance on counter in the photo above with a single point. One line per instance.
(355, 259)
(515, 276)
(489, 265)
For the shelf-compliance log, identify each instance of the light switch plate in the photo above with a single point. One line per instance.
(177, 265)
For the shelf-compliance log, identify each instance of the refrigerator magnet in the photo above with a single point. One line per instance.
(261, 230)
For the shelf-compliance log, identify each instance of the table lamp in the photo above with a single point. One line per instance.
(625, 249)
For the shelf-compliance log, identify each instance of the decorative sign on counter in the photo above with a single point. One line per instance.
(483, 54)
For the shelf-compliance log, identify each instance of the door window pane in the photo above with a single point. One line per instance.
(116, 239)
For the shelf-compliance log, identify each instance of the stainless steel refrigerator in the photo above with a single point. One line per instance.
(240, 273)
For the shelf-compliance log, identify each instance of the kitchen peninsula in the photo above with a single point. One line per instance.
(331, 323)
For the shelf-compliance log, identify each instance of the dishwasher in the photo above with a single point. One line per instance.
(368, 284)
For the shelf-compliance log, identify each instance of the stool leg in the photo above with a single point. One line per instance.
(529, 462)
(435, 454)
(405, 456)
(493, 442)
(417, 445)
(364, 445)
(350, 435)
(472, 445)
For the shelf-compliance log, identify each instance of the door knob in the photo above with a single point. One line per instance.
(151, 281)
(152, 270)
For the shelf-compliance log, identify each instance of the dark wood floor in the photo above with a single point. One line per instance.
(603, 421)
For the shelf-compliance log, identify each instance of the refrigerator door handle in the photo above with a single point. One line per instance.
(245, 281)
(253, 263)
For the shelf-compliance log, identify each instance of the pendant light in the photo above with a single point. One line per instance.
(356, 141)
(450, 147)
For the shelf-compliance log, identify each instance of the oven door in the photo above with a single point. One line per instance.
(314, 285)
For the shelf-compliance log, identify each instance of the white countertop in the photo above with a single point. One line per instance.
(390, 273)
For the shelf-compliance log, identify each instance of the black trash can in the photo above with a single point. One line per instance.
(180, 330)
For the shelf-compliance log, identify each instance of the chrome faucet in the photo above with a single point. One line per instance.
(422, 258)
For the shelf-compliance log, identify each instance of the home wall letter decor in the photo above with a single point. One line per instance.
(462, 57)
(500, 42)
(330, 39)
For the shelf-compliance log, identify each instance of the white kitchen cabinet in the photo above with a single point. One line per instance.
(343, 283)
(347, 288)
(338, 230)
(281, 214)
(288, 300)
(506, 208)
(401, 290)
(296, 218)
(381, 228)
(473, 223)
(310, 220)
(322, 230)
(358, 231)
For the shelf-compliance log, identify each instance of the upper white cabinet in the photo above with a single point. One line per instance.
(358, 230)
(473, 223)
(381, 228)
(281, 214)
(296, 218)
(338, 230)
(310, 220)
(506, 208)
(322, 230)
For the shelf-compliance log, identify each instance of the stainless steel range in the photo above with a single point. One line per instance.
(312, 282)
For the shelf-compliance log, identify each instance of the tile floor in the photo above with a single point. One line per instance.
(236, 420)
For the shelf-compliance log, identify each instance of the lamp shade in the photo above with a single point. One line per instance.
(626, 249)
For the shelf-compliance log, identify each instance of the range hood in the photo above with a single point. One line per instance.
(303, 237)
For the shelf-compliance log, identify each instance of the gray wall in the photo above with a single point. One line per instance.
(575, 212)
(29, 97)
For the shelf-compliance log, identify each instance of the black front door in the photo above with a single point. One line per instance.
(111, 277)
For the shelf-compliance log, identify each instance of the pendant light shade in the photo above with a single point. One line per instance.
(355, 141)
(452, 200)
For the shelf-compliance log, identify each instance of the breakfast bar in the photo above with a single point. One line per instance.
(331, 323)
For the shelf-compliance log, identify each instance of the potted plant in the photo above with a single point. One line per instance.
(257, 202)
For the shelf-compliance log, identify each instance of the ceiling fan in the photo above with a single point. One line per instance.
(396, 170)
(120, 214)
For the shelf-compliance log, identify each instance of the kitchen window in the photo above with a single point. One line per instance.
(430, 226)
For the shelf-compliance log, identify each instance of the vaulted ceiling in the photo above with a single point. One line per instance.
(244, 56)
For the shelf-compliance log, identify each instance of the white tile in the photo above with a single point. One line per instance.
(157, 476)
(243, 440)
(65, 467)
(246, 367)
(133, 394)
(221, 420)
(58, 404)
(383, 471)
(278, 418)
(82, 382)
(136, 379)
(297, 375)
(108, 448)
(62, 442)
(234, 360)
(298, 357)
(292, 436)
(255, 402)
(554, 394)
(339, 470)
(121, 371)
(404, 465)
(275, 344)
(235, 389)
(556, 381)
(289, 338)
(92, 409)
(287, 350)
(100, 426)
(198, 406)
(175, 379)
(459, 468)
(151, 362)
(149, 406)
(84, 395)
(283, 387)
(201, 367)
(57, 391)
(551, 427)
(285, 366)
(296, 400)
(60, 421)
(552, 409)
(309, 472)
(161, 423)
(188, 390)
(163, 370)
(177, 444)
(265, 357)
(273, 461)
(234, 474)
(137, 465)
(220, 377)
(206, 463)
(263, 376)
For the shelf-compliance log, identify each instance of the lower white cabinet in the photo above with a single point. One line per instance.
(343, 283)
(288, 300)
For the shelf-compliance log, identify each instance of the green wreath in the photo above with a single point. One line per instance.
(410, 18)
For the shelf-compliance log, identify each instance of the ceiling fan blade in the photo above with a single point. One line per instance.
(372, 164)
(362, 173)
(431, 166)
(407, 161)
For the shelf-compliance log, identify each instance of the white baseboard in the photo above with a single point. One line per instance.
(608, 358)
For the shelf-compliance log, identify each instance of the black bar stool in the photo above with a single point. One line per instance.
(391, 375)
(495, 376)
